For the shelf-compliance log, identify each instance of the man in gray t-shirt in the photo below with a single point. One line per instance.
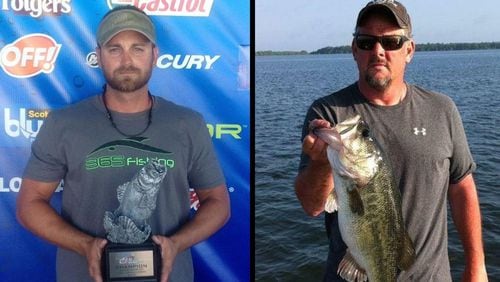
(421, 133)
(102, 142)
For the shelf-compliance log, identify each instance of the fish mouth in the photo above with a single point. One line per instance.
(330, 136)
(158, 167)
(151, 174)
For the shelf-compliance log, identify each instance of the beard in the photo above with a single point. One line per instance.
(379, 84)
(376, 82)
(133, 81)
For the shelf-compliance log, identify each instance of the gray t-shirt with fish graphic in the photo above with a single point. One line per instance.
(79, 144)
(423, 137)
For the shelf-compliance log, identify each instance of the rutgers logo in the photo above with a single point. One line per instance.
(30, 55)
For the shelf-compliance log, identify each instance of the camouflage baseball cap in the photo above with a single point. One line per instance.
(125, 18)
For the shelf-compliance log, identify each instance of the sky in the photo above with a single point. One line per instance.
(295, 25)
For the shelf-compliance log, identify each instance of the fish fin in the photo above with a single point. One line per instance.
(331, 203)
(407, 253)
(350, 270)
(355, 202)
(120, 191)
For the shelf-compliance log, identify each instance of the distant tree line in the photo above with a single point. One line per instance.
(333, 50)
(274, 53)
(457, 46)
(419, 47)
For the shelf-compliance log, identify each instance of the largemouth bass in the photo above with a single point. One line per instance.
(137, 197)
(368, 204)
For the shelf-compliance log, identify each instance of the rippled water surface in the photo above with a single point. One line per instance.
(291, 246)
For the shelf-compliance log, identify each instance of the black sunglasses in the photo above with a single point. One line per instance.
(388, 42)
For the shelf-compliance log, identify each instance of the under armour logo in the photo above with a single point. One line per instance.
(416, 131)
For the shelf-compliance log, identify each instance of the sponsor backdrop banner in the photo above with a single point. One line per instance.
(47, 61)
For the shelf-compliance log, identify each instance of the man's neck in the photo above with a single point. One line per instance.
(127, 102)
(391, 96)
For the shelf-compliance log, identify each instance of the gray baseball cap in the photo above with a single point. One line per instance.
(395, 8)
(125, 18)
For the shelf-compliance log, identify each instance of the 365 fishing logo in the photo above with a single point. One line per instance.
(30, 55)
(23, 123)
(112, 154)
(186, 8)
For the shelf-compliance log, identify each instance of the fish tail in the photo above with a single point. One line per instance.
(350, 270)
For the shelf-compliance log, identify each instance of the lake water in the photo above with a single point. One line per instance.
(290, 246)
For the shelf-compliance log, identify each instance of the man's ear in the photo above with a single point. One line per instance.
(354, 49)
(155, 54)
(98, 53)
(410, 50)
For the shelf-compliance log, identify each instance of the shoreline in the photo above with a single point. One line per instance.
(419, 47)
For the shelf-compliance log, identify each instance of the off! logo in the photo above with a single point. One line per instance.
(187, 8)
(30, 55)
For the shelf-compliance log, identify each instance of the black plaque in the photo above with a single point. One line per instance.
(131, 262)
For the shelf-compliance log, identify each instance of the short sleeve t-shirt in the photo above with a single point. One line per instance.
(425, 142)
(79, 145)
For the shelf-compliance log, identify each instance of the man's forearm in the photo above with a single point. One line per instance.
(466, 215)
(212, 214)
(312, 186)
(36, 214)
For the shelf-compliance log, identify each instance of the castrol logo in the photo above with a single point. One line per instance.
(186, 8)
(29, 55)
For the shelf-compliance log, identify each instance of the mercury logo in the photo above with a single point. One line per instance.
(92, 60)
(186, 8)
(166, 61)
(186, 61)
(29, 55)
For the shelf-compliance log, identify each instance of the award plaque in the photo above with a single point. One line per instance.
(127, 262)
(131, 255)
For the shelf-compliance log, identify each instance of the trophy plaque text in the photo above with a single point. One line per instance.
(124, 262)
